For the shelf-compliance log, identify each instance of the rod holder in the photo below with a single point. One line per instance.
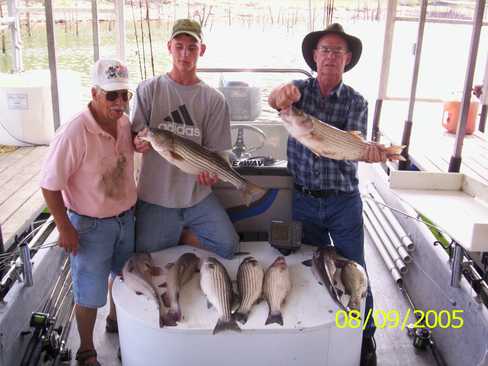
(457, 259)
(26, 265)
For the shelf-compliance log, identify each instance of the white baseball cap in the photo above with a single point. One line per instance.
(110, 74)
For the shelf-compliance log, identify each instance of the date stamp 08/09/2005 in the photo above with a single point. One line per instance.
(394, 319)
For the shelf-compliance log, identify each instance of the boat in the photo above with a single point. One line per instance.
(431, 296)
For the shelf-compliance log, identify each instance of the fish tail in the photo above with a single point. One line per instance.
(274, 317)
(241, 317)
(223, 325)
(394, 152)
(167, 319)
(354, 303)
(251, 192)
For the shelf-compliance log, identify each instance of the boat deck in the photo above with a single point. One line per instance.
(21, 200)
(394, 346)
(431, 145)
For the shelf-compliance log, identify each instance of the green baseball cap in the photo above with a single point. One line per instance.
(187, 26)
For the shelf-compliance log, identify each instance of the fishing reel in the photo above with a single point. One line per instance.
(285, 236)
(422, 337)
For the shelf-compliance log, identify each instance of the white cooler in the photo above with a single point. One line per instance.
(309, 335)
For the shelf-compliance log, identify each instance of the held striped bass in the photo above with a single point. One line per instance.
(328, 141)
(250, 277)
(277, 285)
(193, 159)
(217, 286)
(137, 274)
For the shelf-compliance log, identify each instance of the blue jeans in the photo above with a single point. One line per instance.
(104, 247)
(159, 227)
(340, 218)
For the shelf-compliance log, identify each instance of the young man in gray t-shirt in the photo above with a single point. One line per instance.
(169, 199)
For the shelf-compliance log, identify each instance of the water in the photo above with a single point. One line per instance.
(442, 70)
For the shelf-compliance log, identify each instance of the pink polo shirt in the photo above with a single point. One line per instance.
(94, 171)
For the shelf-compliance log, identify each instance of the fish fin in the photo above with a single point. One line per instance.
(393, 152)
(274, 317)
(130, 266)
(357, 135)
(252, 192)
(236, 301)
(223, 325)
(307, 263)
(172, 317)
(354, 304)
(165, 298)
(167, 320)
(241, 317)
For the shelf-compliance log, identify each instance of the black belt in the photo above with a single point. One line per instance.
(123, 213)
(317, 194)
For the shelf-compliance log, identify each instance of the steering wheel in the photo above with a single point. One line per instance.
(240, 149)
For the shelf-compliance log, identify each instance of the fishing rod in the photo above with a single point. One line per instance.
(137, 38)
(142, 40)
(150, 37)
(422, 335)
(64, 353)
(45, 339)
(41, 322)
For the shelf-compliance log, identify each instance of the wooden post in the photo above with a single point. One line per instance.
(4, 50)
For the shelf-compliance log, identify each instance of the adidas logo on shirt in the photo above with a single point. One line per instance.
(179, 121)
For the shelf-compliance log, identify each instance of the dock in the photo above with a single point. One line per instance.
(431, 146)
(21, 200)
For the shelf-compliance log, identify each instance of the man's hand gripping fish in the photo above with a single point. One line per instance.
(328, 141)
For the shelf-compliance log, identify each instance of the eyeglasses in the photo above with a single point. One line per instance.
(112, 96)
(324, 50)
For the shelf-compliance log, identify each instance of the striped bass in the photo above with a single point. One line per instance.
(355, 283)
(250, 277)
(217, 286)
(325, 262)
(328, 141)
(137, 274)
(277, 285)
(178, 274)
(194, 159)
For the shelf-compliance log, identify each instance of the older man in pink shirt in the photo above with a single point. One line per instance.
(88, 184)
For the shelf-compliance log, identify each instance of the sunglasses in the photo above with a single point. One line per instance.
(112, 96)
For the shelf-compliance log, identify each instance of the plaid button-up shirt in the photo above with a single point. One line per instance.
(344, 108)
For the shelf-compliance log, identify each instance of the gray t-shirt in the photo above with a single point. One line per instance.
(197, 112)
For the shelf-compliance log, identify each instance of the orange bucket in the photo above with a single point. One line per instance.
(451, 114)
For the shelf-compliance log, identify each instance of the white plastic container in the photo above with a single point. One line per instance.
(309, 335)
(26, 114)
(244, 101)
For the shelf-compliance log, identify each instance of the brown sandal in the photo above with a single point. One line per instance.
(83, 356)
(111, 326)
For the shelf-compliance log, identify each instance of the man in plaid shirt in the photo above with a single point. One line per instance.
(326, 198)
